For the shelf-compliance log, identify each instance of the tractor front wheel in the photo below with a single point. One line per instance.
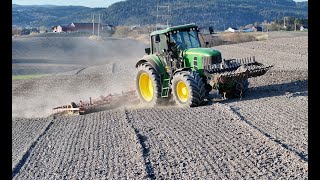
(188, 89)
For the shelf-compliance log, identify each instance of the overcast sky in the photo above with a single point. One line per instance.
(88, 3)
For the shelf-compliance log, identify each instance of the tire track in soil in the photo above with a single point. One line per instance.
(24, 132)
(94, 146)
(80, 70)
(238, 116)
(209, 143)
(144, 147)
(287, 123)
(113, 68)
(26, 155)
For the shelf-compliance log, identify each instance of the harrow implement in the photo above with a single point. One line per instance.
(93, 105)
(235, 69)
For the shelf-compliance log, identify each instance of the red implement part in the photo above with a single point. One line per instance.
(84, 107)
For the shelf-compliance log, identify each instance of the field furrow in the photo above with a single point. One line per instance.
(287, 123)
(208, 142)
(24, 133)
(263, 135)
(98, 146)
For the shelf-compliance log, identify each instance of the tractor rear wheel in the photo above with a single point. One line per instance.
(188, 89)
(148, 84)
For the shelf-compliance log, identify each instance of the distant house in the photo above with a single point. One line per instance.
(230, 29)
(56, 29)
(60, 29)
(303, 28)
(257, 28)
(84, 27)
(68, 28)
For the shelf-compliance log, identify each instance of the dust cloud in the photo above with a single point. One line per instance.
(100, 67)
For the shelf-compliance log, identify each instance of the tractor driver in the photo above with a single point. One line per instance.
(176, 46)
(178, 40)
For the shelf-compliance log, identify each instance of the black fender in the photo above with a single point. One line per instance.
(152, 63)
(181, 69)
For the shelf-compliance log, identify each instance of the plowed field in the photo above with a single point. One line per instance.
(262, 136)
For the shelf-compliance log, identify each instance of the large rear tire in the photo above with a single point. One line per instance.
(148, 84)
(188, 89)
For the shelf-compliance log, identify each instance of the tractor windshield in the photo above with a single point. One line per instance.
(186, 39)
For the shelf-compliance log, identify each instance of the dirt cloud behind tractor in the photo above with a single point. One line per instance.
(103, 67)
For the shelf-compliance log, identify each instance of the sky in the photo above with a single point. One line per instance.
(87, 3)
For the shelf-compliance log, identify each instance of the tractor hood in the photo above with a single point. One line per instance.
(200, 56)
(200, 52)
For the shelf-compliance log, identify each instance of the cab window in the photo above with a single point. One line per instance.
(158, 46)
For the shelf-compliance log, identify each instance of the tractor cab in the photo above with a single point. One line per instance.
(185, 39)
(181, 47)
(177, 37)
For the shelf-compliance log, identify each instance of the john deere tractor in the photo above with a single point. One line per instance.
(179, 67)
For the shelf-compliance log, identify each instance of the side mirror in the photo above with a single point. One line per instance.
(147, 50)
(157, 38)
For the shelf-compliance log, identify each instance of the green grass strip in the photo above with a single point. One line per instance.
(30, 76)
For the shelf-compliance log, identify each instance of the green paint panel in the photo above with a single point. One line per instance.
(198, 53)
(157, 61)
(202, 52)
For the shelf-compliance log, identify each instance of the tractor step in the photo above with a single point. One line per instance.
(165, 90)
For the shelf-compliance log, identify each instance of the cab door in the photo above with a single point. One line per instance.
(159, 43)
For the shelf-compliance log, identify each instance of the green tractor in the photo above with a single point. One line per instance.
(180, 67)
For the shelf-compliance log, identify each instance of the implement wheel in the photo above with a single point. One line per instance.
(148, 84)
(188, 89)
(238, 90)
(72, 105)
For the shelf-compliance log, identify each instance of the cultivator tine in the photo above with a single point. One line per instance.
(254, 72)
(250, 71)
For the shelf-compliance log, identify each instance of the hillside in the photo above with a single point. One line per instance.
(205, 12)
(50, 15)
(218, 13)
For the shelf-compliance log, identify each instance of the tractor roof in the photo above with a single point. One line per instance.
(173, 28)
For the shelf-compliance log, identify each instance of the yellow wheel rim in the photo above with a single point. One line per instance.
(70, 111)
(146, 87)
(182, 91)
